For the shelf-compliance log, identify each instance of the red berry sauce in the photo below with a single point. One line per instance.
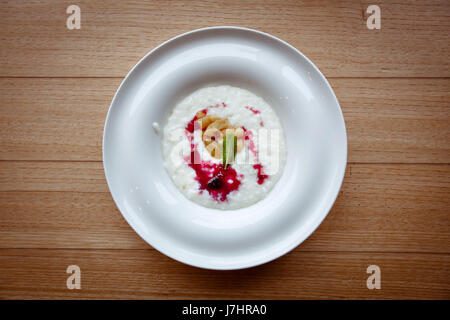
(212, 177)
(215, 179)
(260, 173)
(190, 126)
(251, 146)
(252, 110)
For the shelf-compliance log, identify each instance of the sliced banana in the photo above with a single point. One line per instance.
(240, 144)
(212, 134)
(239, 132)
(219, 124)
(216, 129)
(215, 149)
(206, 121)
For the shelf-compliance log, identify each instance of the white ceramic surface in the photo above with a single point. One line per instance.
(316, 146)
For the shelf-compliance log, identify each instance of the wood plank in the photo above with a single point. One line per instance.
(54, 119)
(138, 274)
(396, 120)
(388, 120)
(381, 207)
(52, 176)
(114, 35)
(64, 220)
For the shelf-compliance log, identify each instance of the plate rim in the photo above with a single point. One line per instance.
(298, 240)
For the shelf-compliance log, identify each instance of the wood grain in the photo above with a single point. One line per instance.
(132, 274)
(388, 120)
(114, 35)
(396, 120)
(54, 119)
(381, 207)
(393, 209)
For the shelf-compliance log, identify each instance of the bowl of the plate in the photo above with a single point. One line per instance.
(315, 138)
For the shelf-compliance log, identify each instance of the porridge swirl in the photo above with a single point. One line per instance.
(224, 147)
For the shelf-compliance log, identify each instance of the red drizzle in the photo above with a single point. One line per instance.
(252, 110)
(212, 177)
(260, 173)
(251, 146)
(191, 125)
(223, 104)
(245, 133)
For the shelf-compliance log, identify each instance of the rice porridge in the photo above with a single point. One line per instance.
(224, 147)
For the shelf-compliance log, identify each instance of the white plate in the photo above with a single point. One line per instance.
(316, 146)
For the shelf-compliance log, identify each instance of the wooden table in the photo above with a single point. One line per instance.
(393, 210)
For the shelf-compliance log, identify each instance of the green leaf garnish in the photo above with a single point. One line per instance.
(229, 149)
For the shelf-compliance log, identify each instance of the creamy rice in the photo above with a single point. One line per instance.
(257, 167)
